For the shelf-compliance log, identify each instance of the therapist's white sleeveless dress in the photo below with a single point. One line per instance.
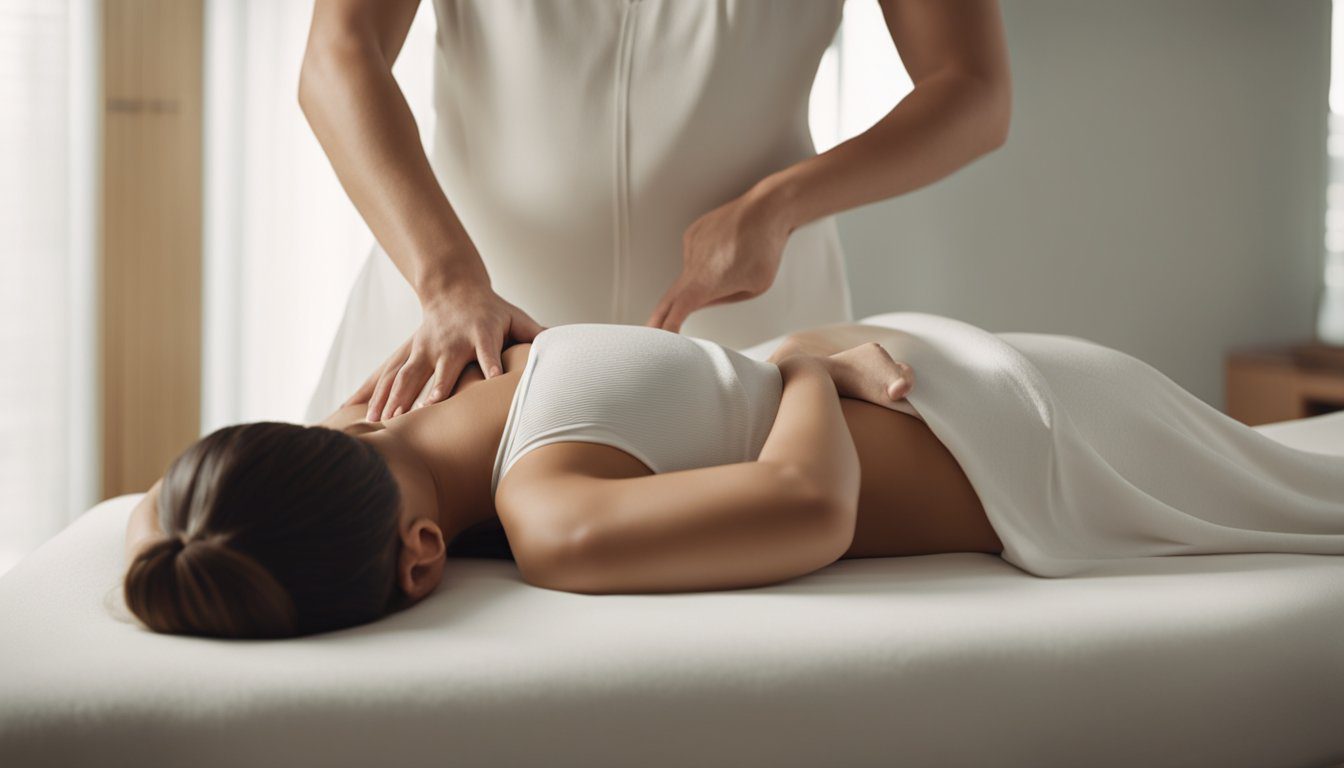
(577, 141)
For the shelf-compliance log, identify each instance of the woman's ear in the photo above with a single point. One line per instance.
(420, 565)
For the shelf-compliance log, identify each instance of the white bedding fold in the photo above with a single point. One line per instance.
(1082, 454)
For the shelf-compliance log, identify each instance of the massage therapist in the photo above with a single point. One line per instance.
(625, 161)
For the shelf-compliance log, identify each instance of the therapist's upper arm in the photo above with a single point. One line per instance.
(958, 42)
(934, 36)
(386, 23)
(143, 525)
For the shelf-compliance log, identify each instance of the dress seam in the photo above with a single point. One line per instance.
(620, 256)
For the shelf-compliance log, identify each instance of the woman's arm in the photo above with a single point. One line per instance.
(579, 521)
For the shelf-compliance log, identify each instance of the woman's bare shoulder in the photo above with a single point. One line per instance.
(513, 358)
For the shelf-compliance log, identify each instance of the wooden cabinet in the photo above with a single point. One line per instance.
(1289, 381)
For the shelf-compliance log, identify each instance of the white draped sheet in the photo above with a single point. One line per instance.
(1083, 454)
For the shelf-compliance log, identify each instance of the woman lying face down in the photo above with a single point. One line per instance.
(273, 530)
(628, 459)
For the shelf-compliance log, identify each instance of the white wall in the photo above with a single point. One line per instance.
(1161, 192)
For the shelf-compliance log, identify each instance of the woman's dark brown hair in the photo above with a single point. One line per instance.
(273, 530)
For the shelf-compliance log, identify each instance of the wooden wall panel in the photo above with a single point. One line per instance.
(151, 309)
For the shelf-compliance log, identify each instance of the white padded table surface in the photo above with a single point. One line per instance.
(1234, 660)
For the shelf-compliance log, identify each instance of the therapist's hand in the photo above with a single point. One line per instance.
(730, 254)
(466, 323)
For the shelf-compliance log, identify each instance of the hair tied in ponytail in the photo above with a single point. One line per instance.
(273, 530)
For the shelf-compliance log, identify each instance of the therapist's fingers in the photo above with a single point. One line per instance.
(384, 384)
(678, 309)
(487, 355)
(677, 304)
(659, 313)
(408, 382)
(441, 382)
(521, 326)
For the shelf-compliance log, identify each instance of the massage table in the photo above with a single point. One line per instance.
(950, 660)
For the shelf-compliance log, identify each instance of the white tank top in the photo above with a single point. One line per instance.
(673, 402)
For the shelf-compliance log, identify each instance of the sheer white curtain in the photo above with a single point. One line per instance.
(48, 135)
(1330, 320)
(282, 241)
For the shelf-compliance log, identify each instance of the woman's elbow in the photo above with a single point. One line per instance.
(994, 111)
(838, 518)
(313, 73)
(310, 76)
(826, 510)
(1000, 119)
(979, 106)
(564, 560)
(328, 57)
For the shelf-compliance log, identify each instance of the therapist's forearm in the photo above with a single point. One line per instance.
(359, 115)
(947, 121)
